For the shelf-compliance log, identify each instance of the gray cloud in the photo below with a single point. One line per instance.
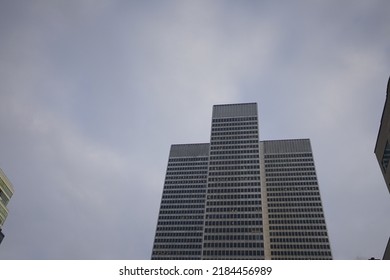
(93, 94)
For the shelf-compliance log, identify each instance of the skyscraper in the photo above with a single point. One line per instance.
(6, 192)
(239, 198)
(382, 146)
(382, 150)
(292, 207)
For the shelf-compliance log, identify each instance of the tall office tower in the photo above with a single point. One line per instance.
(6, 192)
(382, 150)
(233, 223)
(382, 146)
(293, 208)
(238, 198)
(179, 230)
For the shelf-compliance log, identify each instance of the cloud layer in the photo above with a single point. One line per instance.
(93, 93)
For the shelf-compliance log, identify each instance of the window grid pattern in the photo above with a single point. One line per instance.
(238, 198)
(296, 220)
(180, 223)
(233, 221)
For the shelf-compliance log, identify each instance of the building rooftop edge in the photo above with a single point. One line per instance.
(292, 139)
(190, 144)
(268, 140)
(235, 104)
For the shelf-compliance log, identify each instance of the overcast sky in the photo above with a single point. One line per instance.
(94, 92)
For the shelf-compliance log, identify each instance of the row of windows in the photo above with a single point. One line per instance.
(234, 216)
(235, 196)
(241, 216)
(288, 165)
(232, 209)
(292, 189)
(233, 128)
(302, 258)
(181, 201)
(177, 257)
(298, 227)
(234, 137)
(306, 215)
(283, 199)
(298, 233)
(233, 202)
(178, 206)
(300, 253)
(234, 147)
(175, 182)
(179, 234)
(300, 240)
(191, 195)
(268, 161)
(234, 167)
(235, 162)
(181, 211)
(241, 133)
(233, 223)
(238, 187)
(292, 193)
(185, 159)
(294, 210)
(287, 205)
(283, 179)
(234, 142)
(215, 158)
(241, 123)
(233, 190)
(233, 245)
(180, 187)
(187, 172)
(241, 119)
(188, 169)
(290, 155)
(180, 222)
(300, 246)
(312, 183)
(297, 169)
(234, 179)
(189, 217)
(189, 165)
(233, 237)
(185, 177)
(176, 253)
(292, 222)
(234, 173)
(232, 152)
(178, 246)
(232, 230)
(191, 179)
(233, 253)
(178, 240)
(188, 228)
(291, 174)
